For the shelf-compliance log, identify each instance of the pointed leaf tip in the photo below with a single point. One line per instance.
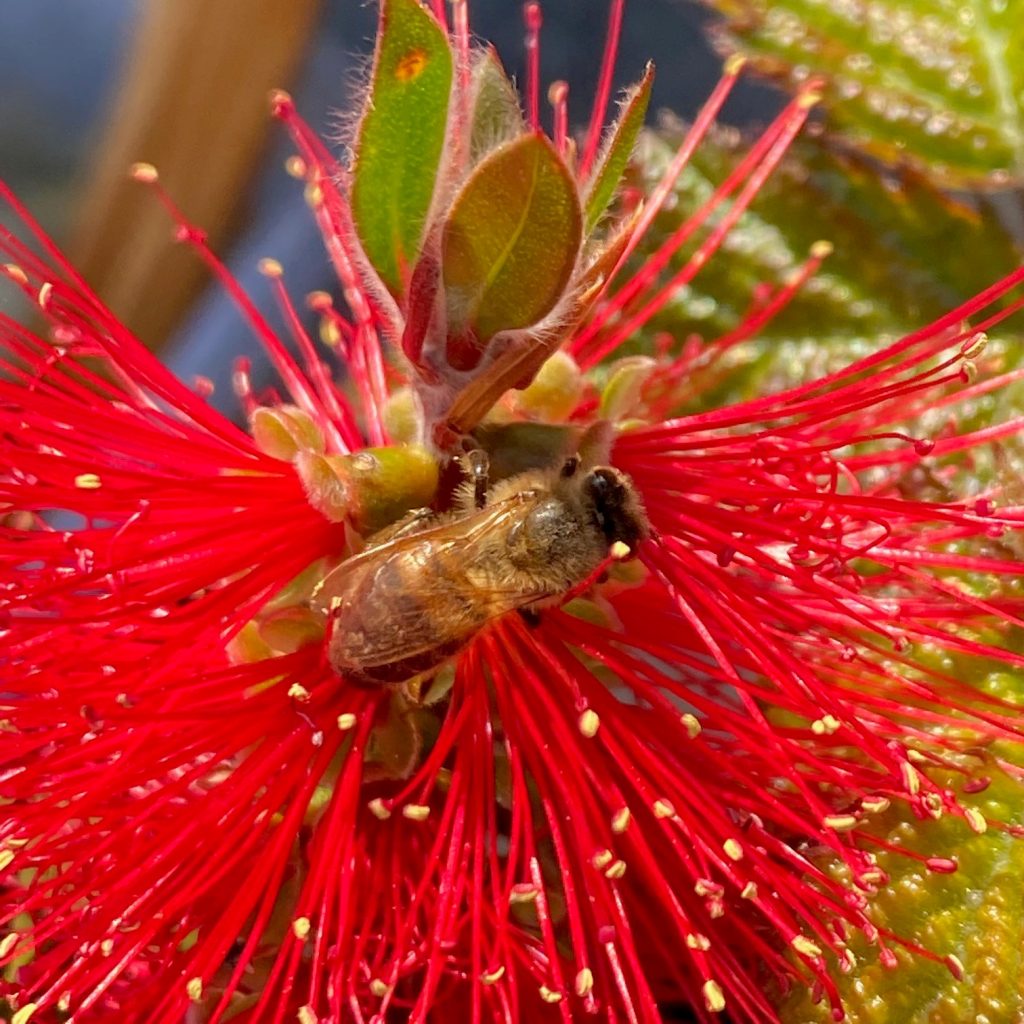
(611, 164)
(401, 138)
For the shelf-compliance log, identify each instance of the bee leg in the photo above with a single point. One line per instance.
(477, 467)
(412, 522)
(530, 616)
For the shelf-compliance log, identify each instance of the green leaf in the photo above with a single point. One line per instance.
(610, 165)
(497, 117)
(935, 83)
(511, 239)
(401, 138)
(904, 254)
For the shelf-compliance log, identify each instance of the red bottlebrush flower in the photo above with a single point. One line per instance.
(619, 807)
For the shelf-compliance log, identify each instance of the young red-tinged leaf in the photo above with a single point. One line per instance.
(400, 138)
(611, 164)
(497, 117)
(511, 239)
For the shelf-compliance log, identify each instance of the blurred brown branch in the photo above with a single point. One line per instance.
(193, 102)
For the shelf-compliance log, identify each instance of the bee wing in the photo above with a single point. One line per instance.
(463, 537)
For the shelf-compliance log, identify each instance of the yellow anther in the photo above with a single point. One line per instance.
(270, 267)
(840, 822)
(733, 849)
(45, 291)
(821, 249)
(107, 947)
(735, 64)
(663, 809)
(697, 941)
(825, 726)
(875, 804)
(692, 724)
(490, 977)
(379, 809)
(549, 995)
(976, 820)
(300, 928)
(619, 551)
(589, 722)
(379, 988)
(307, 1015)
(298, 692)
(88, 481)
(295, 167)
(621, 820)
(416, 812)
(714, 997)
(803, 945)
(15, 273)
(346, 721)
(194, 988)
(145, 173)
(584, 982)
(615, 870)
(602, 859)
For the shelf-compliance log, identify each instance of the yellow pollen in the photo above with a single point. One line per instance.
(825, 726)
(875, 804)
(490, 977)
(300, 928)
(549, 995)
(307, 1015)
(378, 809)
(821, 249)
(346, 721)
(697, 941)
(584, 982)
(911, 778)
(976, 820)
(615, 870)
(295, 167)
(298, 692)
(330, 333)
(379, 988)
(589, 722)
(602, 859)
(692, 723)
(314, 195)
(714, 997)
(803, 945)
(194, 988)
(24, 1014)
(88, 481)
(15, 273)
(8, 943)
(416, 812)
(147, 174)
(735, 64)
(749, 891)
(6, 856)
(270, 268)
(45, 291)
(621, 821)
(522, 894)
(733, 849)
(663, 809)
(619, 551)
(107, 947)
(840, 822)
(64, 1003)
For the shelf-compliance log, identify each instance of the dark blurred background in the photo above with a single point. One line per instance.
(86, 89)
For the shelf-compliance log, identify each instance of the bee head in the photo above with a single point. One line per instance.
(614, 506)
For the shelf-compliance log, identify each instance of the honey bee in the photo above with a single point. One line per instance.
(423, 588)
